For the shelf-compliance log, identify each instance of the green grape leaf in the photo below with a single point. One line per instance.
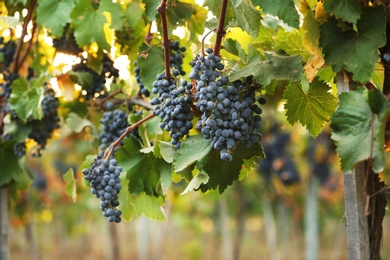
(144, 170)
(133, 13)
(10, 169)
(150, 8)
(356, 51)
(115, 11)
(222, 173)
(126, 201)
(149, 206)
(197, 22)
(179, 13)
(347, 10)
(359, 126)
(26, 98)
(313, 108)
(81, 78)
(19, 132)
(199, 179)
(89, 24)
(70, 187)
(167, 151)
(192, 149)
(54, 15)
(275, 66)
(152, 64)
(248, 18)
(284, 10)
(77, 124)
(215, 7)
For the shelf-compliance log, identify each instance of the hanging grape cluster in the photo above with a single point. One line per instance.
(105, 184)
(230, 114)
(174, 103)
(142, 90)
(97, 88)
(7, 51)
(176, 55)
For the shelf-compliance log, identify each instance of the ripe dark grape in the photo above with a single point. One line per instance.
(174, 103)
(105, 184)
(142, 90)
(230, 114)
(176, 57)
(113, 124)
(20, 149)
(41, 130)
(98, 80)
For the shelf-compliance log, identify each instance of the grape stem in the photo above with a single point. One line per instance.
(104, 100)
(17, 62)
(220, 31)
(207, 34)
(110, 149)
(166, 41)
(149, 35)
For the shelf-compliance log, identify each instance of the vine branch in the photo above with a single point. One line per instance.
(17, 62)
(110, 149)
(166, 42)
(220, 31)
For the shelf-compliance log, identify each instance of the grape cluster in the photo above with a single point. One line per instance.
(173, 106)
(42, 130)
(98, 80)
(113, 125)
(230, 114)
(7, 51)
(142, 89)
(105, 184)
(176, 56)
(67, 43)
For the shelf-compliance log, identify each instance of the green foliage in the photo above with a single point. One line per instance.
(275, 66)
(312, 108)
(26, 98)
(144, 170)
(285, 10)
(89, 25)
(54, 15)
(355, 50)
(10, 168)
(348, 10)
(77, 124)
(358, 128)
(247, 18)
(70, 187)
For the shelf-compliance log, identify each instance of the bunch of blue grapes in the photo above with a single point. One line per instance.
(105, 184)
(7, 51)
(113, 124)
(41, 130)
(174, 103)
(176, 56)
(230, 111)
(97, 88)
(142, 90)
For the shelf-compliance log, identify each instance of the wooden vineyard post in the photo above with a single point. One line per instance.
(4, 222)
(355, 199)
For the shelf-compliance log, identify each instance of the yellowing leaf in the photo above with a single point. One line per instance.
(312, 66)
(66, 86)
(70, 187)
